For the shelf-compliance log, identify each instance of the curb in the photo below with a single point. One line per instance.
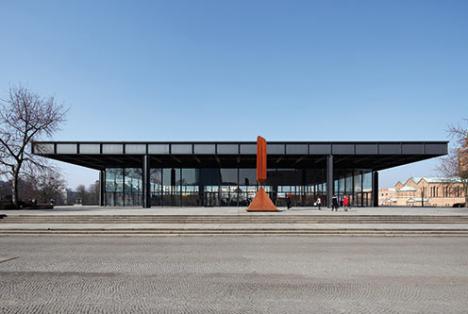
(363, 232)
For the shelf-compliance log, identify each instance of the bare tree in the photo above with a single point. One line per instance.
(50, 186)
(81, 193)
(455, 164)
(25, 116)
(92, 194)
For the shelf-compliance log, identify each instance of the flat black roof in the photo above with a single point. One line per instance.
(203, 154)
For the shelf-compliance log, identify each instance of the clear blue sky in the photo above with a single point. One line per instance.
(206, 70)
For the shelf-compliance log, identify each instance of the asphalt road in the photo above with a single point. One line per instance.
(59, 274)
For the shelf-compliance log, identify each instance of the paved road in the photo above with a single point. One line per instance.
(233, 274)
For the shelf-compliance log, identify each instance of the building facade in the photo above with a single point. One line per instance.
(423, 191)
(223, 173)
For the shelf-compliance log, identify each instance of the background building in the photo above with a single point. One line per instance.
(422, 191)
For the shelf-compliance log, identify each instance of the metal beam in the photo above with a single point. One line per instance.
(299, 160)
(176, 159)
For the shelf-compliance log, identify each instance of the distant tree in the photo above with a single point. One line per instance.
(50, 186)
(81, 193)
(5, 190)
(455, 164)
(25, 116)
(42, 186)
(93, 194)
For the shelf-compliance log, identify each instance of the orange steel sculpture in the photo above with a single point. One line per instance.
(261, 202)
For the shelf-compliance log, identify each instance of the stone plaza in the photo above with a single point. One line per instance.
(234, 274)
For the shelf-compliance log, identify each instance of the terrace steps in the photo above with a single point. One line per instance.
(337, 218)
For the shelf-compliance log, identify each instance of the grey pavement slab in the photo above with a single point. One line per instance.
(275, 226)
(89, 274)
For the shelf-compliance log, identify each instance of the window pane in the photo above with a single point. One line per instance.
(133, 187)
(156, 186)
(229, 176)
(114, 186)
(247, 176)
(190, 176)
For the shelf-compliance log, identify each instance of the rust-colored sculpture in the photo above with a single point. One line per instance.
(261, 160)
(261, 202)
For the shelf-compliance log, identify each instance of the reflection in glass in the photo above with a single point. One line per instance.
(233, 186)
(133, 187)
(189, 187)
(156, 186)
(114, 186)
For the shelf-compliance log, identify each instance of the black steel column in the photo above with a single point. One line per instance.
(362, 188)
(375, 189)
(146, 182)
(102, 188)
(329, 180)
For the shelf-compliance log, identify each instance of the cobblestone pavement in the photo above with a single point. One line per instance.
(54, 274)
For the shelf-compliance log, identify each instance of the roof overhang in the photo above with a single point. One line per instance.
(362, 155)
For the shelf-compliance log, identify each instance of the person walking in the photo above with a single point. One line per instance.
(335, 203)
(288, 200)
(346, 203)
(319, 203)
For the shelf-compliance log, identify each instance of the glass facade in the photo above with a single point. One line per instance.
(124, 187)
(356, 184)
(234, 186)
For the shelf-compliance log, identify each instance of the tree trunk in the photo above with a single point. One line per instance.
(14, 190)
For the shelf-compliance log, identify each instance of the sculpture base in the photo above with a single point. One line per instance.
(262, 203)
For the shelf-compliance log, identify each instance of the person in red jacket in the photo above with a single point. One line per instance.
(346, 202)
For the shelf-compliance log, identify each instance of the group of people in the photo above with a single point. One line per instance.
(335, 203)
(318, 203)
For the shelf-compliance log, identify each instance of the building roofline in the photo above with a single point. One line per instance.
(375, 155)
(242, 142)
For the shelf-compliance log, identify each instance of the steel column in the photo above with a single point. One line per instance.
(329, 180)
(375, 188)
(102, 190)
(146, 182)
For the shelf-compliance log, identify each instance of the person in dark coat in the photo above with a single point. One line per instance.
(288, 200)
(335, 203)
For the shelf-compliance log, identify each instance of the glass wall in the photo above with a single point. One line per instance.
(234, 186)
(189, 187)
(229, 191)
(115, 187)
(133, 186)
(156, 186)
(356, 184)
(247, 185)
(367, 188)
(124, 187)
